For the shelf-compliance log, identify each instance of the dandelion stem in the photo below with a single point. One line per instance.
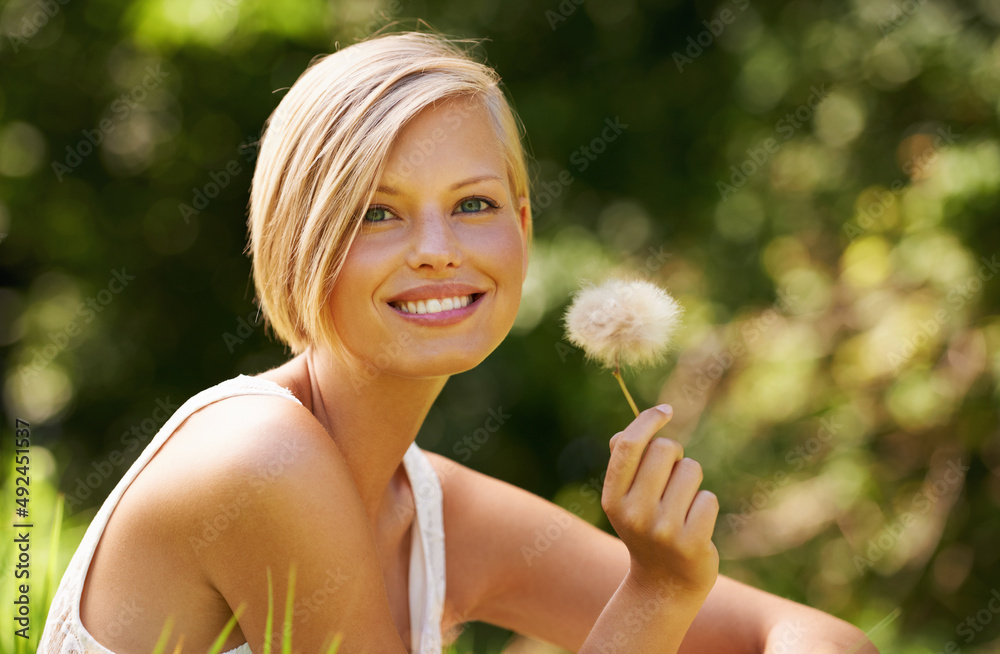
(621, 382)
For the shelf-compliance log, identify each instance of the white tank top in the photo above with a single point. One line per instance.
(64, 632)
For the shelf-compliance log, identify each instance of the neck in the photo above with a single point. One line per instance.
(373, 421)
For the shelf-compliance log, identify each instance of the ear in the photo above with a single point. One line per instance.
(524, 220)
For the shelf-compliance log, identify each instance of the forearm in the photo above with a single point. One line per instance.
(739, 619)
(734, 619)
(643, 619)
(804, 629)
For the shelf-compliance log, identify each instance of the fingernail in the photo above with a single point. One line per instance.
(665, 409)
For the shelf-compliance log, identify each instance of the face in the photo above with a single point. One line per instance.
(432, 283)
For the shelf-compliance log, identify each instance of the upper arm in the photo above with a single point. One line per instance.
(546, 573)
(288, 498)
(542, 571)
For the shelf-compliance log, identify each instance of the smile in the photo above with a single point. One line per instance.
(438, 312)
(435, 305)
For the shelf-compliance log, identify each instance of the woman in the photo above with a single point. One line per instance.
(390, 226)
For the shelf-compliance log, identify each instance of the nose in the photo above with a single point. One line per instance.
(434, 243)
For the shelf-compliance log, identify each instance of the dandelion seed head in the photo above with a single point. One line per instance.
(623, 322)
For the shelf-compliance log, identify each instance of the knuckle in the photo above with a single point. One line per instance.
(685, 547)
(625, 448)
(608, 503)
(680, 448)
(665, 445)
(666, 530)
(691, 465)
(672, 446)
(636, 519)
(694, 545)
(693, 468)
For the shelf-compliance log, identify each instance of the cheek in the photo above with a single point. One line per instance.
(503, 250)
(355, 285)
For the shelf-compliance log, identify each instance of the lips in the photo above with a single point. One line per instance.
(438, 316)
(436, 292)
(435, 305)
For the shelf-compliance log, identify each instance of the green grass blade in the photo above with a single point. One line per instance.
(161, 642)
(286, 634)
(335, 645)
(217, 645)
(269, 625)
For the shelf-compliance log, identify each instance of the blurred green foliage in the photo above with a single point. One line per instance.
(815, 181)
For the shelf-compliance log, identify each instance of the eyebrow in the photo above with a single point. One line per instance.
(392, 190)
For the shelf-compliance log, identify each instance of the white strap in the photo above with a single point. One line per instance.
(427, 562)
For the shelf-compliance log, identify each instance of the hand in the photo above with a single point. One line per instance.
(652, 499)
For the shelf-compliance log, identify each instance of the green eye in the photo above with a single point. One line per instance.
(376, 215)
(472, 204)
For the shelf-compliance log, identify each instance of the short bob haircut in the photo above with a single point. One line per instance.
(322, 154)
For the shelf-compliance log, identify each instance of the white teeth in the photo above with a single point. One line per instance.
(434, 305)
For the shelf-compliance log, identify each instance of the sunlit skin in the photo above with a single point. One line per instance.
(421, 229)
(428, 224)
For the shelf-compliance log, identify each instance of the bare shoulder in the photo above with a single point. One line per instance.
(248, 445)
(220, 448)
(246, 430)
(241, 489)
(229, 455)
(270, 490)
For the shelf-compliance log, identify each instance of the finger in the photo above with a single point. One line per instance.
(700, 523)
(655, 470)
(681, 490)
(614, 439)
(628, 450)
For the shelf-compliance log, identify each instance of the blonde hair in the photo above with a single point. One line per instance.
(323, 152)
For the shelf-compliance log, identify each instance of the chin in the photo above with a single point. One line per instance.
(419, 365)
(443, 366)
